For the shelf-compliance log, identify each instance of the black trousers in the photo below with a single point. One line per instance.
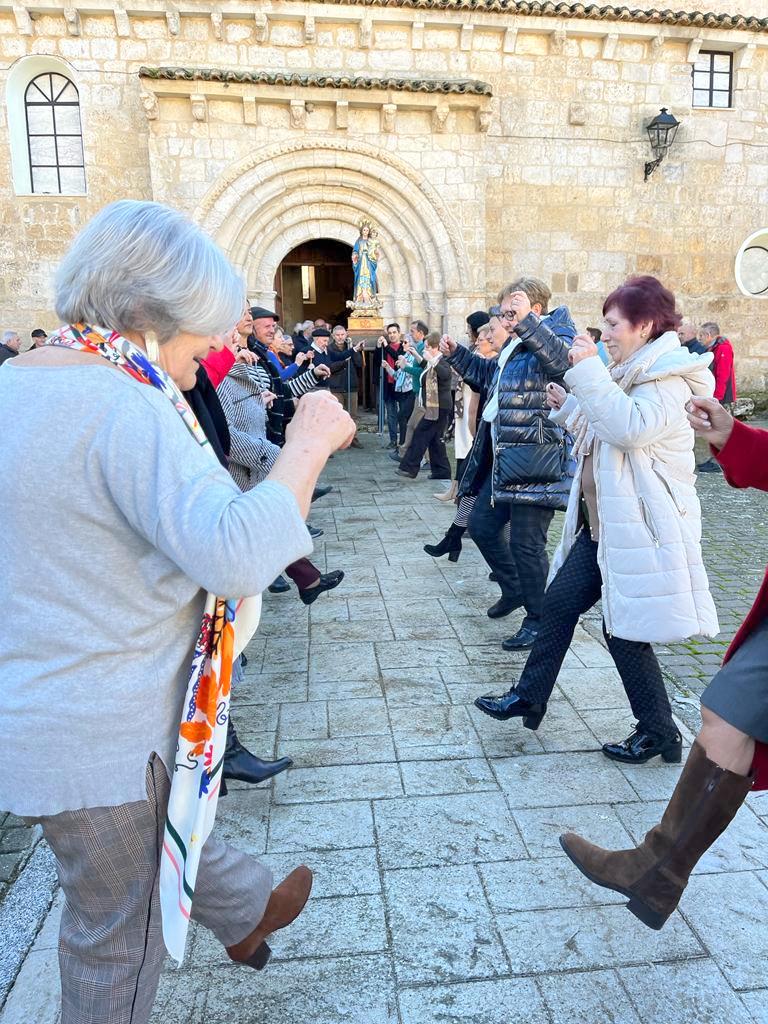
(429, 435)
(573, 591)
(519, 559)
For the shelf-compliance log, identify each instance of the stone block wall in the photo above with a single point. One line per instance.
(544, 176)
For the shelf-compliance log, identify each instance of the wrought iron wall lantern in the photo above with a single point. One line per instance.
(661, 132)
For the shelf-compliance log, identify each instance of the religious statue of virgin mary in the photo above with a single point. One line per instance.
(365, 261)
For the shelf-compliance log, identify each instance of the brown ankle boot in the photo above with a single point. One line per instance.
(654, 875)
(287, 901)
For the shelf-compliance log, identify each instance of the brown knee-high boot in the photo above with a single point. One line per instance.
(655, 874)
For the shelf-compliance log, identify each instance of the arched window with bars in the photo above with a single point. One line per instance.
(54, 135)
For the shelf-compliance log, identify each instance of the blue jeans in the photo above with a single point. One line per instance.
(399, 406)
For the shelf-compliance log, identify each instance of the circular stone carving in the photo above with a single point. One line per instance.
(752, 265)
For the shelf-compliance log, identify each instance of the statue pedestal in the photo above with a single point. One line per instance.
(365, 324)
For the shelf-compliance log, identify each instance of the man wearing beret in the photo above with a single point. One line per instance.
(335, 360)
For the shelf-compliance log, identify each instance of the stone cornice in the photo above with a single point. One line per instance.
(587, 12)
(311, 79)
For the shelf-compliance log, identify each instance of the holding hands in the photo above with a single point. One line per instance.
(583, 347)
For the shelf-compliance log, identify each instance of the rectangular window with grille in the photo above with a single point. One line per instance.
(713, 79)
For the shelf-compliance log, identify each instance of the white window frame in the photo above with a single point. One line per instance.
(21, 74)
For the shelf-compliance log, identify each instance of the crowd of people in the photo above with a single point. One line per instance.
(177, 434)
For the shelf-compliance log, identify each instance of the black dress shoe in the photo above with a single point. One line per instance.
(411, 476)
(523, 640)
(504, 606)
(327, 581)
(642, 746)
(320, 492)
(279, 586)
(314, 532)
(395, 456)
(509, 705)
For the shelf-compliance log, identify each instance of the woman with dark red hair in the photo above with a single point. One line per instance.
(632, 531)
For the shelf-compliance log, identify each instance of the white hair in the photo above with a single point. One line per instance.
(306, 324)
(9, 336)
(141, 266)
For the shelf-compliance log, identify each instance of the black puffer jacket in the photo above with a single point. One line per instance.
(540, 356)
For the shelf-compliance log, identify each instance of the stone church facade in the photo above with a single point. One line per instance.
(484, 137)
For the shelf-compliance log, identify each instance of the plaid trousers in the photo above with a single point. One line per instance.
(111, 947)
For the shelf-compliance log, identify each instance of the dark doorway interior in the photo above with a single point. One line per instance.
(315, 280)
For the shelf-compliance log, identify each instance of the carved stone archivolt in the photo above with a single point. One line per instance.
(425, 247)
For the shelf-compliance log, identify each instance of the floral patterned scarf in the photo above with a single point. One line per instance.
(226, 627)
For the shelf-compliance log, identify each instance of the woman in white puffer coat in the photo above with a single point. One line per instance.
(632, 530)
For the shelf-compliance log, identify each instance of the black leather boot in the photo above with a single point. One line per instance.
(509, 705)
(450, 544)
(242, 765)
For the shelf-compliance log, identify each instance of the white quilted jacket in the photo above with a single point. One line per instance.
(655, 587)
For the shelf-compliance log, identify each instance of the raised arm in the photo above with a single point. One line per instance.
(475, 370)
(744, 457)
(625, 421)
(549, 346)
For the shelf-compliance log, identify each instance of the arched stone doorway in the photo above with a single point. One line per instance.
(296, 192)
(314, 280)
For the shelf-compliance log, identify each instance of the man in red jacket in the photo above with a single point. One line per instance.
(725, 377)
(729, 756)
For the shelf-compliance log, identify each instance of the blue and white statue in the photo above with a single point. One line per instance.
(365, 261)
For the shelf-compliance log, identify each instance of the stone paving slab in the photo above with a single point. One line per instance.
(442, 895)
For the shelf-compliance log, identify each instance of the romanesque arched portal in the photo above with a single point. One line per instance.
(294, 192)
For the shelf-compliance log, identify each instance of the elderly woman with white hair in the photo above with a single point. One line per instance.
(127, 698)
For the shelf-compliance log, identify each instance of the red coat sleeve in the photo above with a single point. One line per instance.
(744, 457)
(217, 365)
(723, 368)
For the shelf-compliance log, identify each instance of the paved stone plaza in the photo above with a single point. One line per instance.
(441, 892)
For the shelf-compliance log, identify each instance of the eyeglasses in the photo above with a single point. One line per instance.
(505, 315)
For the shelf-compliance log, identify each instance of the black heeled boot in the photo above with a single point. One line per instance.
(450, 544)
(510, 705)
(242, 765)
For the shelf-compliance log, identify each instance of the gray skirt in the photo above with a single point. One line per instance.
(738, 693)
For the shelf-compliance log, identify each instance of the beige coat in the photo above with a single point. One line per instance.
(655, 587)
